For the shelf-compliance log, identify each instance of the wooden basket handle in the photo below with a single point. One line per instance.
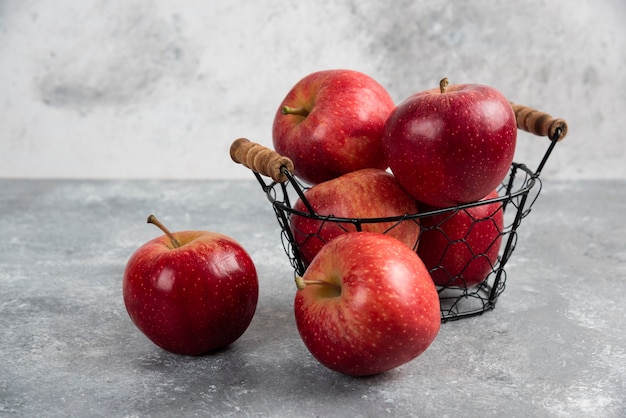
(261, 159)
(537, 122)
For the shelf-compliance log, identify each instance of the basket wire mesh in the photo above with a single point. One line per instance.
(516, 197)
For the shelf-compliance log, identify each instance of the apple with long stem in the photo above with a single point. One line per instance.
(190, 292)
(331, 123)
(366, 304)
(451, 145)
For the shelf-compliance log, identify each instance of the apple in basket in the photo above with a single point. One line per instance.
(365, 193)
(451, 145)
(190, 292)
(366, 304)
(460, 248)
(331, 123)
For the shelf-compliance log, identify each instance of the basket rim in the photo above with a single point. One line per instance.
(528, 184)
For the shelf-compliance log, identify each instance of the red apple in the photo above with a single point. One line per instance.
(461, 247)
(190, 292)
(366, 305)
(451, 145)
(366, 193)
(331, 123)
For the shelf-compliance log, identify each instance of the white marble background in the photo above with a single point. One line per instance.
(159, 89)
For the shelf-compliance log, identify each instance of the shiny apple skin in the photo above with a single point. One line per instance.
(451, 148)
(366, 193)
(386, 313)
(344, 127)
(461, 248)
(193, 299)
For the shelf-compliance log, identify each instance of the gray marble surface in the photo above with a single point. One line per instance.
(554, 346)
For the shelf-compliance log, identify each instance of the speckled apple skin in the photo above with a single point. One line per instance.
(387, 312)
(461, 248)
(366, 193)
(343, 131)
(193, 299)
(451, 148)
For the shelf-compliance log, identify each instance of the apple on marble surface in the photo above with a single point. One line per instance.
(190, 292)
(331, 123)
(366, 305)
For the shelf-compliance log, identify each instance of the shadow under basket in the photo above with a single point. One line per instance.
(516, 196)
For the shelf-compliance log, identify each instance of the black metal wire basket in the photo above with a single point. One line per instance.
(516, 196)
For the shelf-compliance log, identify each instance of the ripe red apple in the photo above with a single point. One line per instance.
(451, 145)
(331, 123)
(365, 193)
(460, 248)
(190, 292)
(366, 305)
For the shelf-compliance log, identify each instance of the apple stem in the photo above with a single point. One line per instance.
(153, 220)
(443, 84)
(301, 283)
(299, 111)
